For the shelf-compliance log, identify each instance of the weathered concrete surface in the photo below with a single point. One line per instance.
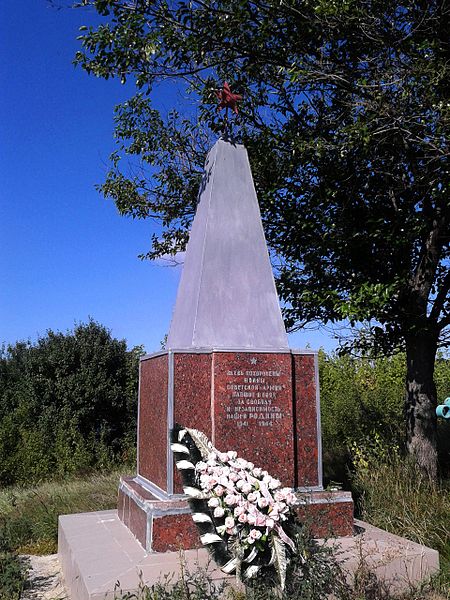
(396, 561)
(99, 556)
(227, 296)
(96, 551)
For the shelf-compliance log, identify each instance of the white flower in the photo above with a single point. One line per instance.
(232, 454)
(223, 456)
(274, 483)
(257, 472)
(270, 523)
(242, 518)
(213, 502)
(252, 497)
(251, 519)
(219, 512)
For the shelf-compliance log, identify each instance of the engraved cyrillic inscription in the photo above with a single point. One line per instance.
(253, 397)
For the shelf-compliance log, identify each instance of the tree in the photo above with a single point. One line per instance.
(67, 403)
(345, 116)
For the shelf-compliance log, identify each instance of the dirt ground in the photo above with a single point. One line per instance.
(44, 578)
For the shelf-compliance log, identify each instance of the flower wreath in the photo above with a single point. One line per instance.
(242, 513)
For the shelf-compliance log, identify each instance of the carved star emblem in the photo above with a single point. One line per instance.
(227, 99)
(253, 361)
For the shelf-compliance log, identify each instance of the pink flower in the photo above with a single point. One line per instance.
(213, 502)
(255, 534)
(242, 518)
(230, 500)
(219, 512)
(260, 520)
(239, 510)
(279, 495)
(219, 491)
(270, 523)
(291, 499)
(252, 497)
(263, 502)
(223, 456)
(229, 522)
(234, 476)
(240, 484)
(257, 472)
(251, 519)
(232, 454)
(246, 488)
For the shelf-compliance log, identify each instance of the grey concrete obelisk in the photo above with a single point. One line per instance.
(227, 296)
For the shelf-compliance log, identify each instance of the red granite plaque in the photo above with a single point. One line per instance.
(252, 409)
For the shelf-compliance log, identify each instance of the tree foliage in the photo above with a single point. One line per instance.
(346, 118)
(67, 404)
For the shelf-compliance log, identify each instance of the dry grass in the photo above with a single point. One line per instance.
(29, 516)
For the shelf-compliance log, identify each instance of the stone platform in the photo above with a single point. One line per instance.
(100, 556)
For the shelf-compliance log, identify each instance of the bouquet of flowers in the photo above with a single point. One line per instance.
(243, 513)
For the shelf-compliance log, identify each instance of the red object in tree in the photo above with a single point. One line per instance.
(227, 99)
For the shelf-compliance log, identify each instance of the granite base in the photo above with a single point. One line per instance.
(166, 525)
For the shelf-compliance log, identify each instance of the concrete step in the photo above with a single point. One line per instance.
(99, 556)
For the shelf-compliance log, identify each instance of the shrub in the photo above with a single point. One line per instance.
(13, 573)
(68, 404)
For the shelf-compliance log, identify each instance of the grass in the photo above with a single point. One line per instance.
(392, 495)
(395, 497)
(29, 516)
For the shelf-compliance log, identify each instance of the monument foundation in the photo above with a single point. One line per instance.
(264, 405)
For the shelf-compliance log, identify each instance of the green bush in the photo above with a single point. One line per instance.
(68, 404)
(361, 398)
(13, 573)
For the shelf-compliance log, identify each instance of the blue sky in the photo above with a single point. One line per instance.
(66, 255)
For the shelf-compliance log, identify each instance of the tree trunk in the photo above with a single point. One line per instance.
(420, 402)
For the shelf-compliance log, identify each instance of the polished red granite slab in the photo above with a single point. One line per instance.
(152, 432)
(253, 409)
(174, 532)
(307, 440)
(164, 525)
(328, 514)
(192, 396)
(137, 522)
